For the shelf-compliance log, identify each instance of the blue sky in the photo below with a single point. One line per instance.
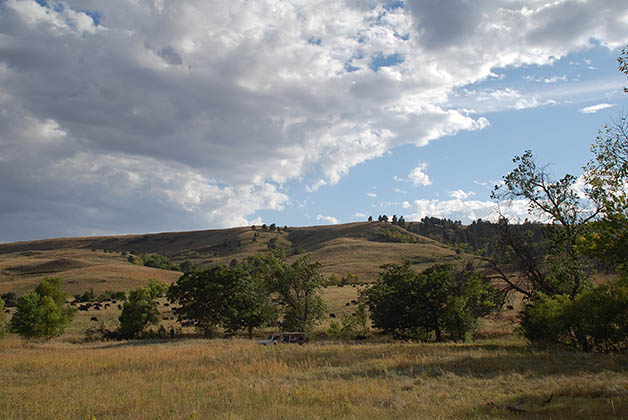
(147, 116)
(559, 133)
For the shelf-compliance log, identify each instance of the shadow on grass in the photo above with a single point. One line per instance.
(481, 360)
(492, 366)
(562, 404)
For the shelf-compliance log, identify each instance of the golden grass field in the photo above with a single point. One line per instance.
(238, 379)
(81, 269)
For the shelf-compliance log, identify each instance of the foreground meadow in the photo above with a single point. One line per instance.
(237, 379)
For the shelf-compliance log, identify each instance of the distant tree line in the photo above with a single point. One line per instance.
(272, 228)
(395, 221)
(481, 237)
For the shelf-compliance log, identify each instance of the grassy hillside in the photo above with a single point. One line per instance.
(99, 263)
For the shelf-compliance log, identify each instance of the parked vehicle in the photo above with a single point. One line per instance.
(288, 337)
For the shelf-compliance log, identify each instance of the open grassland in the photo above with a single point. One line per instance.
(81, 269)
(96, 262)
(237, 379)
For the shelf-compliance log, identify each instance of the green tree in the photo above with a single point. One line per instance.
(298, 287)
(231, 297)
(157, 288)
(569, 309)
(139, 312)
(249, 304)
(556, 267)
(595, 320)
(43, 313)
(441, 300)
(607, 176)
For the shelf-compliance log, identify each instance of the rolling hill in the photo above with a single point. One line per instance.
(102, 263)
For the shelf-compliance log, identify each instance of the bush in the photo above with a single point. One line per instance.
(10, 299)
(159, 261)
(42, 313)
(595, 320)
(87, 296)
(350, 278)
(332, 280)
(334, 329)
(349, 326)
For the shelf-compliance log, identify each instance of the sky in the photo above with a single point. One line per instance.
(138, 116)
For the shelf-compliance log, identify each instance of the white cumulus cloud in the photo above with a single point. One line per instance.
(329, 219)
(467, 210)
(418, 176)
(461, 194)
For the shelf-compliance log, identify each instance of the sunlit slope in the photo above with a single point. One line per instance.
(101, 262)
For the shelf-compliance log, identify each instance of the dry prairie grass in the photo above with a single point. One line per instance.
(340, 248)
(237, 379)
(81, 269)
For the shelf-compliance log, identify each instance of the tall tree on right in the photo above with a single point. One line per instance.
(554, 267)
(607, 176)
(562, 305)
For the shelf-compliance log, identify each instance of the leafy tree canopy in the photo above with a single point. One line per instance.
(297, 286)
(139, 312)
(43, 313)
(231, 297)
(429, 305)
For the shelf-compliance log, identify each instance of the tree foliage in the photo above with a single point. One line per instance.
(158, 261)
(559, 268)
(623, 63)
(10, 299)
(157, 288)
(297, 286)
(429, 305)
(222, 296)
(607, 174)
(594, 320)
(43, 313)
(139, 312)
